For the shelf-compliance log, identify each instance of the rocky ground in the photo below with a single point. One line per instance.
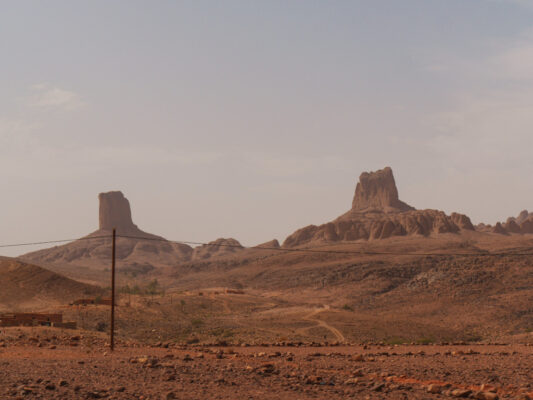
(54, 364)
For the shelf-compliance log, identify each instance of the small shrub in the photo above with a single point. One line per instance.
(228, 334)
(197, 322)
(101, 326)
(425, 340)
(395, 340)
(473, 338)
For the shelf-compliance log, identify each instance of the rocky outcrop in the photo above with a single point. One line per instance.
(272, 244)
(378, 213)
(377, 191)
(380, 226)
(522, 224)
(498, 228)
(139, 250)
(218, 248)
(523, 216)
(115, 212)
(462, 221)
(511, 226)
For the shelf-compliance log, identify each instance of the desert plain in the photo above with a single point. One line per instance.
(386, 301)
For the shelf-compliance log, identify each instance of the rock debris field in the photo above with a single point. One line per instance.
(53, 364)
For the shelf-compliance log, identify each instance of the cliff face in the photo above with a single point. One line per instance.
(218, 248)
(522, 224)
(378, 213)
(115, 212)
(134, 253)
(376, 191)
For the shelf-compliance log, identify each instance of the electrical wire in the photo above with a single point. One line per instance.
(361, 252)
(53, 241)
(281, 249)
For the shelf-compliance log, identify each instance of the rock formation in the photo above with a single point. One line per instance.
(272, 244)
(522, 224)
(498, 228)
(141, 251)
(378, 213)
(218, 248)
(523, 216)
(115, 212)
(462, 221)
(377, 191)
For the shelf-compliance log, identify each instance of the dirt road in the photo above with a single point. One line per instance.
(313, 316)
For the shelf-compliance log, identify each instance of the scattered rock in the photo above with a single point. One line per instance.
(461, 392)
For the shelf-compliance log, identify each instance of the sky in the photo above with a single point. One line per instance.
(251, 119)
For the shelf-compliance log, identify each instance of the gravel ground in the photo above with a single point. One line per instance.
(51, 364)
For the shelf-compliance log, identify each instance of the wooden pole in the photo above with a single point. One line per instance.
(112, 332)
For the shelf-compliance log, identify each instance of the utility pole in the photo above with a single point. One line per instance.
(112, 332)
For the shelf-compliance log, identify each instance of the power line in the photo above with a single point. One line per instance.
(361, 252)
(281, 249)
(53, 241)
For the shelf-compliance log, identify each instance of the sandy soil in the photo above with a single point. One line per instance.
(53, 364)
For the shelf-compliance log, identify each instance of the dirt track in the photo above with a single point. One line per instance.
(45, 364)
(313, 316)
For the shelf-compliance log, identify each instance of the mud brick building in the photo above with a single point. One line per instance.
(35, 319)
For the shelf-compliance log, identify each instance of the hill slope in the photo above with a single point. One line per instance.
(87, 258)
(29, 287)
(445, 296)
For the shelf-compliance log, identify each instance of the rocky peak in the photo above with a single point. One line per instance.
(523, 216)
(115, 212)
(377, 191)
(217, 248)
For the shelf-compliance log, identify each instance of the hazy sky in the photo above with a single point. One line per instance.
(250, 119)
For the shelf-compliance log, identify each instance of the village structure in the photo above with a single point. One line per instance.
(35, 319)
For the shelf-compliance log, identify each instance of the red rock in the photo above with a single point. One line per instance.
(461, 392)
(272, 244)
(313, 380)
(377, 213)
(377, 190)
(512, 226)
(462, 221)
(487, 396)
(498, 228)
(217, 248)
(527, 225)
(115, 212)
(434, 388)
